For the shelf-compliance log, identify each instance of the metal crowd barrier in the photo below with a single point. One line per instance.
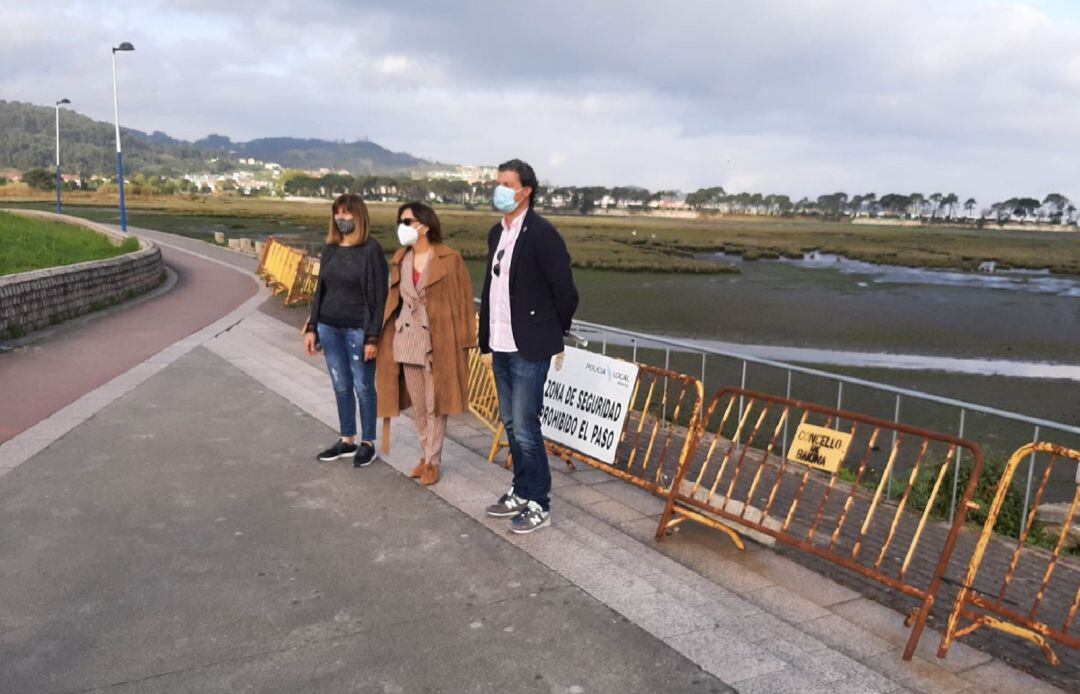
(484, 402)
(307, 279)
(740, 477)
(653, 442)
(279, 266)
(984, 599)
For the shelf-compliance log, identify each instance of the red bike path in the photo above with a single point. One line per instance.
(43, 376)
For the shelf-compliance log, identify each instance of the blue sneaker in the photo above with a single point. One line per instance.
(508, 505)
(531, 518)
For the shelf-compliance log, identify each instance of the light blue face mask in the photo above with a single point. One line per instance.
(503, 200)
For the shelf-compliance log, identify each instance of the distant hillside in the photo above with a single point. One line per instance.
(27, 140)
(358, 157)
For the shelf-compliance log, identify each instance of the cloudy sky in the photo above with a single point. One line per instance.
(977, 97)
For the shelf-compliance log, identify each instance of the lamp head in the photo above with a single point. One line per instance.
(125, 46)
(63, 101)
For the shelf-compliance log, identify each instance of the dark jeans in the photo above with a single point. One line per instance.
(344, 350)
(520, 384)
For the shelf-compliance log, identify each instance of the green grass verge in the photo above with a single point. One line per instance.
(33, 244)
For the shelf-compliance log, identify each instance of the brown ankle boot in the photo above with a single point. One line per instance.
(430, 476)
(418, 471)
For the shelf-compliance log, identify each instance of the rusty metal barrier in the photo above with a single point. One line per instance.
(741, 476)
(307, 280)
(984, 600)
(658, 434)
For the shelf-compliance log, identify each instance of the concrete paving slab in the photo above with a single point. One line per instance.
(997, 677)
(614, 512)
(846, 636)
(586, 475)
(638, 499)
(917, 674)
(194, 545)
(806, 583)
(792, 606)
(581, 494)
(889, 625)
(725, 656)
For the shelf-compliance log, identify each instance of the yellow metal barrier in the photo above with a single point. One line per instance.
(484, 402)
(658, 434)
(983, 599)
(743, 475)
(280, 267)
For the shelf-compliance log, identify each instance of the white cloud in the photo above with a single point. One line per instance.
(973, 96)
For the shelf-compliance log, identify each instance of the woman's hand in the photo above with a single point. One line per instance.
(370, 351)
(309, 344)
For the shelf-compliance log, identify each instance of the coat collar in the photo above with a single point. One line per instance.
(436, 269)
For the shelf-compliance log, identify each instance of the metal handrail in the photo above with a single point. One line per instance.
(906, 392)
(895, 390)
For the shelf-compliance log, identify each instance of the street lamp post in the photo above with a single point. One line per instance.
(125, 46)
(59, 183)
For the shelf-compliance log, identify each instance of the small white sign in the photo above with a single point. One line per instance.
(586, 401)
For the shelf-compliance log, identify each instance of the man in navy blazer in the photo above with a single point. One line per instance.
(526, 307)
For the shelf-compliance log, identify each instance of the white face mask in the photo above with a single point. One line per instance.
(407, 235)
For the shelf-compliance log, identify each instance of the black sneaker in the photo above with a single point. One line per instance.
(508, 505)
(338, 450)
(531, 518)
(365, 455)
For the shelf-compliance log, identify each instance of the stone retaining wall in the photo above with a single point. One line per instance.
(35, 299)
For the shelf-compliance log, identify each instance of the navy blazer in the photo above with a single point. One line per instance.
(543, 297)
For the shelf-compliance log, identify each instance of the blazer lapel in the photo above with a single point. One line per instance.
(519, 246)
(395, 267)
(436, 268)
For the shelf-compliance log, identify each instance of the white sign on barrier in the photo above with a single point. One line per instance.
(586, 402)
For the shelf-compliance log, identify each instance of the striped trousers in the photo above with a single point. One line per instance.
(430, 428)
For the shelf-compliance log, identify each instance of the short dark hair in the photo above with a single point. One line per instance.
(426, 216)
(525, 174)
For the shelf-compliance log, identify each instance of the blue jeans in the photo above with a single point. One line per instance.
(520, 384)
(344, 350)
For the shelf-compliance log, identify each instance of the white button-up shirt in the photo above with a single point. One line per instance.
(501, 330)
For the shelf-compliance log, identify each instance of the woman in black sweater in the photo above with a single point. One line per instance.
(346, 317)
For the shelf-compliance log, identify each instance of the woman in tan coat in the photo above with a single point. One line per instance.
(428, 326)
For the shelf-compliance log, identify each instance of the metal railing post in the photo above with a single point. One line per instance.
(896, 419)
(787, 394)
(667, 367)
(742, 384)
(839, 401)
(956, 468)
(603, 343)
(1027, 487)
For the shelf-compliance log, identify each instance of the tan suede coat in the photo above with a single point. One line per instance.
(452, 320)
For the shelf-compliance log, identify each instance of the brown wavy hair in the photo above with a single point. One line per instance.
(354, 204)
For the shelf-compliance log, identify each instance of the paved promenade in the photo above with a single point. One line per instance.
(170, 531)
(62, 363)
